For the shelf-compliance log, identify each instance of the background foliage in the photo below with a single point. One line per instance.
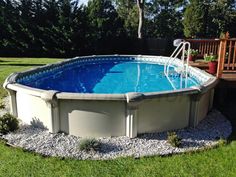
(63, 28)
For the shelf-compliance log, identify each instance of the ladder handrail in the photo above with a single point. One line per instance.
(174, 54)
(182, 47)
(173, 59)
(181, 43)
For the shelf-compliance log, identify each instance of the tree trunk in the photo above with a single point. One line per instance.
(140, 4)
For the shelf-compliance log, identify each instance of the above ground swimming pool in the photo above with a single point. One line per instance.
(115, 95)
(109, 75)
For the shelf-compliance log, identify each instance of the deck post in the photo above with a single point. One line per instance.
(222, 55)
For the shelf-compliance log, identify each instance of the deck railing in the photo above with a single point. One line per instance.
(224, 48)
(227, 56)
(205, 46)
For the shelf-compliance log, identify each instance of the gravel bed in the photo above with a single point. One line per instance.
(207, 133)
(5, 102)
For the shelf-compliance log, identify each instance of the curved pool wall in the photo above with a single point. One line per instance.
(100, 115)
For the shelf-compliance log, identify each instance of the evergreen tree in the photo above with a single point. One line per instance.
(80, 37)
(165, 18)
(103, 18)
(8, 28)
(128, 12)
(195, 17)
(223, 15)
(209, 18)
(63, 28)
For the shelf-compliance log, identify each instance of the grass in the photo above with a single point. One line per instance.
(10, 65)
(215, 162)
(17, 162)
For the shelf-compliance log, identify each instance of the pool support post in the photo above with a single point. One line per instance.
(12, 96)
(52, 103)
(131, 121)
(133, 100)
(194, 108)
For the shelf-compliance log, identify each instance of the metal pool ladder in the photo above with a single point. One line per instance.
(183, 47)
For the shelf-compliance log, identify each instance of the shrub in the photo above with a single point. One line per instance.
(2, 106)
(89, 144)
(173, 139)
(221, 142)
(8, 123)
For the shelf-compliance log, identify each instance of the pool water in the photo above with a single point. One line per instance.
(111, 77)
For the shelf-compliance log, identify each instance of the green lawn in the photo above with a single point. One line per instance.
(215, 162)
(10, 65)
(15, 162)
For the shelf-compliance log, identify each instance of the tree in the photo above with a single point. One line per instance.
(104, 22)
(128, 12)
(9, 25)
(165, 18)
(209, 18)
(223, 14)
(195, 19)
(81, 31)
(140, 4)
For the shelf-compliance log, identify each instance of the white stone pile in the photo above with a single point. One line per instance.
(207, 133)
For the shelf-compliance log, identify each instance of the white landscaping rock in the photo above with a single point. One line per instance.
(207, 133)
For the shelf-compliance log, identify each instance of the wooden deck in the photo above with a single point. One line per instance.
(229, 77)
(199, 64)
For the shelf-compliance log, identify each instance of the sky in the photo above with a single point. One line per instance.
(83, 1)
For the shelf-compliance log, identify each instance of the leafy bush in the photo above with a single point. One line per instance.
(173, 139)
(2, 106)
(89, 144)
(8, 123)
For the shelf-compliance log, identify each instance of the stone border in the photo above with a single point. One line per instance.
(206, 135)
